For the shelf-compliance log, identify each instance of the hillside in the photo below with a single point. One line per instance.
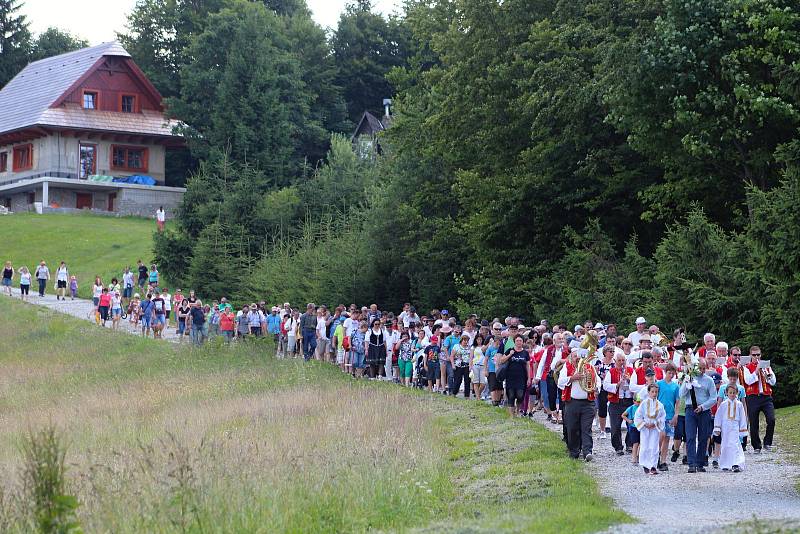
(90, 244)
(162, 438)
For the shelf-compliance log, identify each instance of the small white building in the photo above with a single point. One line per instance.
(85, 130)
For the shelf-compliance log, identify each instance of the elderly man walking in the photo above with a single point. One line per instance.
(700, 395)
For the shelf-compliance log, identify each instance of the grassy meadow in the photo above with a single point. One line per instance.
(90, 244)
(162, 438)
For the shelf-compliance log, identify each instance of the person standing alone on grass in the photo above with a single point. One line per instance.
(62, 277)
(42, 276)
(161, 218)
(8, 277)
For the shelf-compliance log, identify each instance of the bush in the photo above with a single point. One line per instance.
(44, 478)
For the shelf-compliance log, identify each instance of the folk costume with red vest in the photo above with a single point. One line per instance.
(567, 393)
(612, 384)
(757, 381)
(638, 379)
(546, 363)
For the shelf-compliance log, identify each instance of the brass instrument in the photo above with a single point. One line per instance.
(587, 381)
(590, 342)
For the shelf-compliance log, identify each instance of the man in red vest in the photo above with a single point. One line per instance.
(639, 377)
(758, 388)
(617, 383)
(579, 408)
(543, 375)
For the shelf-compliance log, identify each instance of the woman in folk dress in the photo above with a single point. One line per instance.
(649, 421)
(731, 423)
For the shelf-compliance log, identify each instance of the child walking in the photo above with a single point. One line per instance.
(730, 423)
(649, 421)
(632, 433)
(73, 287)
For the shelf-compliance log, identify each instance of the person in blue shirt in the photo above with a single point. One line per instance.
(274, 324)
(669, 396)
(700, 395)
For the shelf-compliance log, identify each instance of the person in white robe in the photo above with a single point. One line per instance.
(731, 424)
(650, 418)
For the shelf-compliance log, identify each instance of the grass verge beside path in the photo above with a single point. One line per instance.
(90, 244)
(787, 426)
(163, 438)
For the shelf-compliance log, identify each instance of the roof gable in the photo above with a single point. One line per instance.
(369, 124)
(28, 98)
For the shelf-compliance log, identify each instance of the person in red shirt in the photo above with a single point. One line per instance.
(103, 305)
(227, 320)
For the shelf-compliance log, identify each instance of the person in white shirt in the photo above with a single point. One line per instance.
(634, 336)
(127, 285)
(62, 276)
(579, 411)
(161, 218)
(167, 305)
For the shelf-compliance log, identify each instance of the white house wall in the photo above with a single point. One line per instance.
(60, 154)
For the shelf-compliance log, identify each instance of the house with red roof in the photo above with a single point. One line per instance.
(85, 130)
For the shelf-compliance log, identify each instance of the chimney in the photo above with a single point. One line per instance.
(387, 103)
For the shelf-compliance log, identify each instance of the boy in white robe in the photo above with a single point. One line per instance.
(731, 424)
(649, 420)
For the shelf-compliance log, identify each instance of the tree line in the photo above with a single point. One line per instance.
(601, 159)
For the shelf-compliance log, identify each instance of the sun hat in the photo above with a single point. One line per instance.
(640, 320)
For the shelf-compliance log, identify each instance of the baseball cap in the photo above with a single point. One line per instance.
(650, 372)
(577, 327)
(445, 312)
(640, 320)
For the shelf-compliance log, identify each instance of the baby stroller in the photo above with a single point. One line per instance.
(421, 378)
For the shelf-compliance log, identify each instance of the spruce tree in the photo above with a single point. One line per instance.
(15, 40)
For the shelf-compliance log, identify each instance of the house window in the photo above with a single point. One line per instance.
(3, 161)
(88, 160)
(90, 100)
(23, 157)
(127, 103)
(129, 158)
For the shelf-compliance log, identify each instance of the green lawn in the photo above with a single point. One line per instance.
(163, 438)
(90, 244)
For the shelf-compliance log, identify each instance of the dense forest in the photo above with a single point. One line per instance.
(567, 159)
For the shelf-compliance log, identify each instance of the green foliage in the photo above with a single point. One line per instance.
(53, 42)
(15, 40)
(159, 34)
(44, 477)
(366, 47)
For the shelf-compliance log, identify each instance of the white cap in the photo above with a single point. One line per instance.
(640, 320)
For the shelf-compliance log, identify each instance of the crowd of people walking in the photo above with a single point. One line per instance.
(674, 399)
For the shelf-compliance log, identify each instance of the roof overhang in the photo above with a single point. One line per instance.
(30, 133)
(24, 186)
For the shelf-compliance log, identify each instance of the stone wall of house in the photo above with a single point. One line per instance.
(144, 202)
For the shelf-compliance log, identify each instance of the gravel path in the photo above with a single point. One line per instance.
(679, 502)
(700, 502)
(84, 309)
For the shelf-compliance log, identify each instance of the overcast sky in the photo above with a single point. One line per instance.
(98, 20)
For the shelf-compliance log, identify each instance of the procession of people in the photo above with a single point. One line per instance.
(674, 400)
